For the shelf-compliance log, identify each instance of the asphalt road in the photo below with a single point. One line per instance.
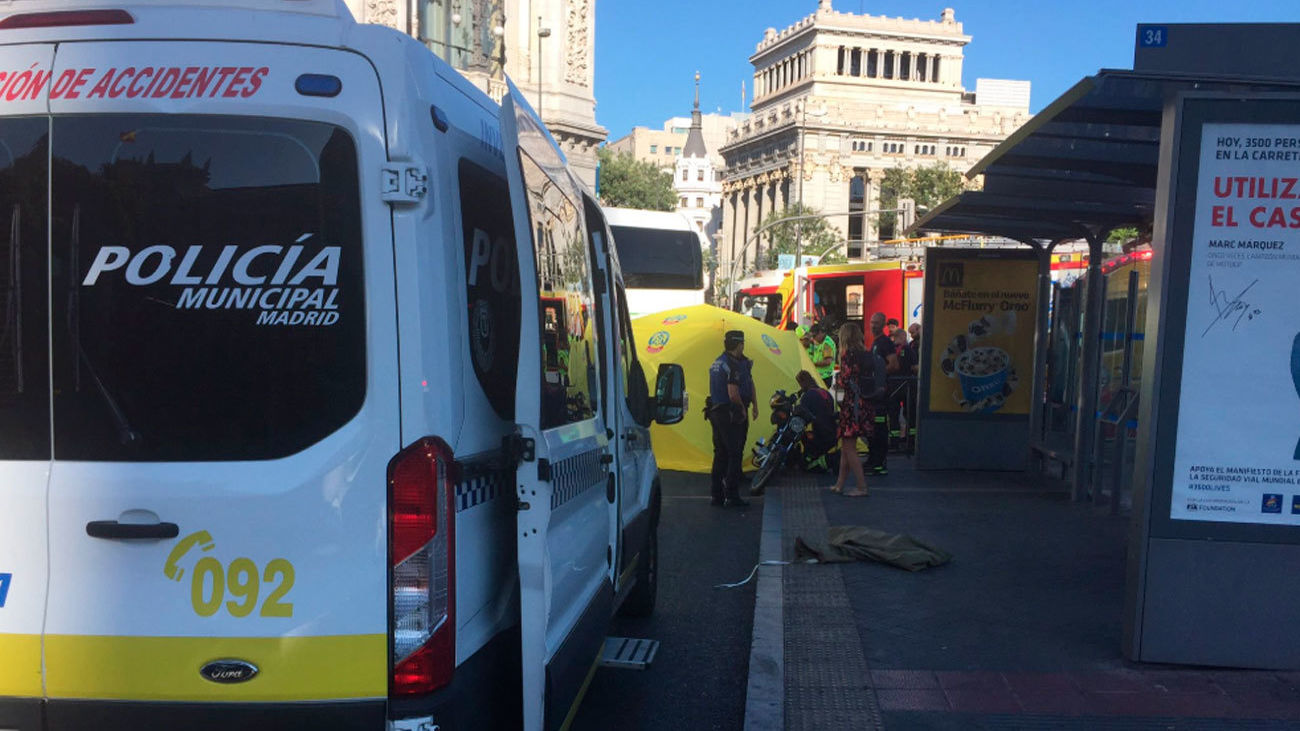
(698, 678)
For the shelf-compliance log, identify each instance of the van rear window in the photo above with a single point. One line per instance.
(653, 258)
(24, 297)
(207, 287)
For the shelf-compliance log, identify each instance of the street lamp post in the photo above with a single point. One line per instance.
(541, 33)
(713, 268)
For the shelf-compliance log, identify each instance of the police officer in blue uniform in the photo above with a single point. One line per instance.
(731, 394)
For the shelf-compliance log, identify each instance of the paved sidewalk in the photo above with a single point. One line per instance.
(1021, 630)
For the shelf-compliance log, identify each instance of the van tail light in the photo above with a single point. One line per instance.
(422, 556)
(60, 18)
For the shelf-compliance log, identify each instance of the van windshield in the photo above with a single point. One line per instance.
(207, 291)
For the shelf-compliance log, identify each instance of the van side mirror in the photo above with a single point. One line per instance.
(670, 403)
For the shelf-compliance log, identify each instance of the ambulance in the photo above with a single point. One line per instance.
(288, 438)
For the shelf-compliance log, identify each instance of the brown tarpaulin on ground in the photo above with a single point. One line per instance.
(846, 543)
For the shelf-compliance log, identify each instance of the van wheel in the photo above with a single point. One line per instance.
(640, 601)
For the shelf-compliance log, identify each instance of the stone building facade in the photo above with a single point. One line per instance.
(839, 99)
(547, 47)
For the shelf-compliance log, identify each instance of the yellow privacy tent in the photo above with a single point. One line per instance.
(692, 338)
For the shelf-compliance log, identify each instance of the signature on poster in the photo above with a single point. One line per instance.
(1225, 308)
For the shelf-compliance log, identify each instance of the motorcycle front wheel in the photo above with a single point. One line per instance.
(774, 460)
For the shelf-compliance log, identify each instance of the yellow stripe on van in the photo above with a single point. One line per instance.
(20, 665)
(167, 668)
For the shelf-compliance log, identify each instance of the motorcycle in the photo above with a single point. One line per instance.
(770, 456)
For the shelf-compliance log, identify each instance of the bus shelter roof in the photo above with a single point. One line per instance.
(1084, 165)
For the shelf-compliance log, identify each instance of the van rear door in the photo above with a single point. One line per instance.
(564, 516)
(24, 378)
(224, 380)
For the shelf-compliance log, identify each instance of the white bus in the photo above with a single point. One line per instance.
(662, 257)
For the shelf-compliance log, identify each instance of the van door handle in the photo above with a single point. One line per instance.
(607, 458)
(112, 529)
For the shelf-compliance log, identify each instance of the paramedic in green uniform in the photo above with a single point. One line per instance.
(823, 353)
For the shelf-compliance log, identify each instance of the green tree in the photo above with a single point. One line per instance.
(811, 237)
(627, 182)
(1122, 235)
(928, 185)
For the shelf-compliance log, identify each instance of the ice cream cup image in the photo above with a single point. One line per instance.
(983, 373)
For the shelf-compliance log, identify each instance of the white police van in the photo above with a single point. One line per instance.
(319, 406)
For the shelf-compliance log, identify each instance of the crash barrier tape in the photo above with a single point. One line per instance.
(754, 573)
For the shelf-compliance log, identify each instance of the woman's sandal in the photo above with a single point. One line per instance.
(837, 490)
(856, 493)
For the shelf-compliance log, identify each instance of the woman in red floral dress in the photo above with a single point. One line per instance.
(857, 415)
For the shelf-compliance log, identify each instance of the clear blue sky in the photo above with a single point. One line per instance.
(647, 51)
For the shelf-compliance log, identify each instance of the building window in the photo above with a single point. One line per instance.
(873, 63)
(717, 175)
(699, 174)
(889, 64)
(654, 149)
(699, 202)
(686, 175)
(857, 203)
(855, 62)
(683, 205)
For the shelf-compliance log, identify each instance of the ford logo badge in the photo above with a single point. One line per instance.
(229, 671)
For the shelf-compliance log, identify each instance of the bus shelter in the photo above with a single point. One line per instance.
(1107, 154)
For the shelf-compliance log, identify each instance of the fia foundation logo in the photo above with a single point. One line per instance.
(1272, 503)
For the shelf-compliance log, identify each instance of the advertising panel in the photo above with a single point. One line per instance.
(984, 312)
(1237, 454)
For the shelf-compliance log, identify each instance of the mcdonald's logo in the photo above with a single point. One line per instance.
(952, 274)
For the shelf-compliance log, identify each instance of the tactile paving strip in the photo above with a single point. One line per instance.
(925, 719)
(827, 681)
